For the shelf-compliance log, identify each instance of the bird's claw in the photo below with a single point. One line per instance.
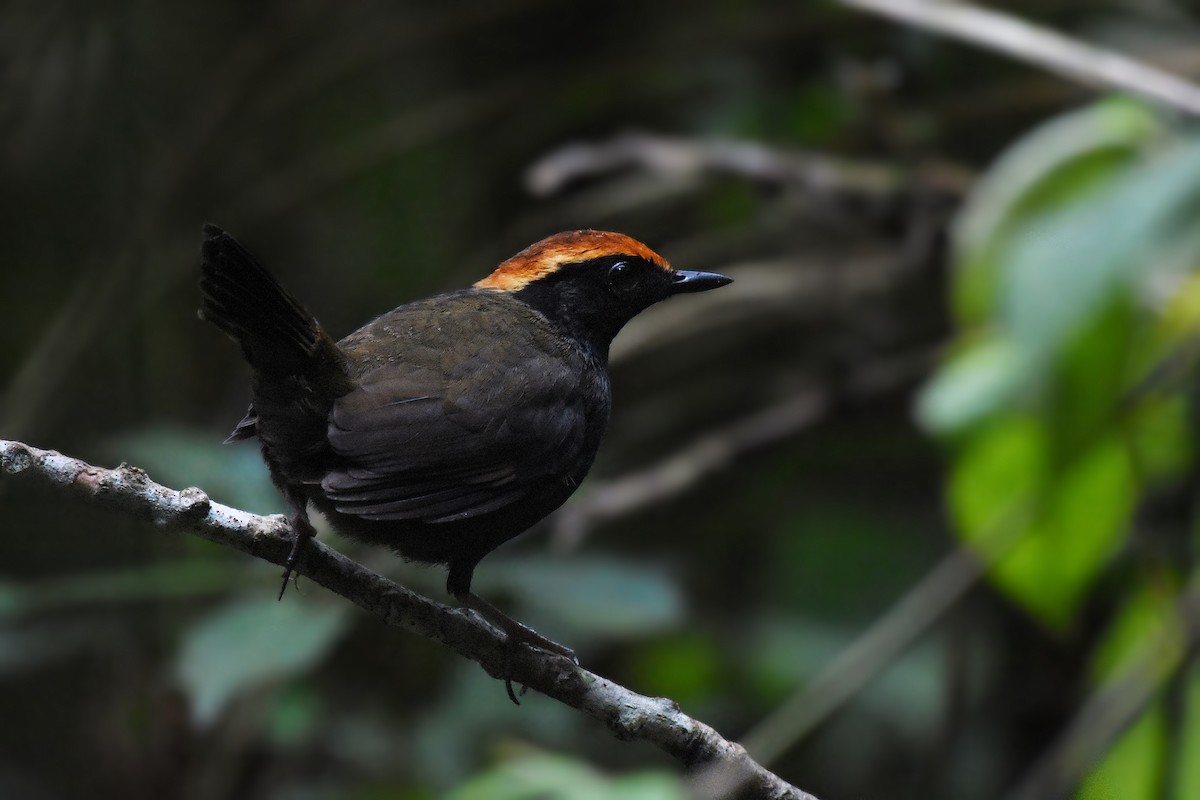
(302, 531)
(510, 646)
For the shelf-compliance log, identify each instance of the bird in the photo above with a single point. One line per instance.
(449, 425)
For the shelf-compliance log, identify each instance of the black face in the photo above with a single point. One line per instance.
(594, 299)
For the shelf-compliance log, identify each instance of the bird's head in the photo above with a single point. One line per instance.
(592, 282)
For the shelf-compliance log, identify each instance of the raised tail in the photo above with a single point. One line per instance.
(277, 334)
(298, 370)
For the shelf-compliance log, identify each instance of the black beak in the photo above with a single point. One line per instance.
(684, 282)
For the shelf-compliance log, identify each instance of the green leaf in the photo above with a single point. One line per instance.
(1160, 437)
(1059, 271)
(539, 776)
(1065, 521)
(686, 667)
(1083, 521)
(249, 642)
(1187, 780)
(1062, 161)
(534, 777)
(161, 579)
(997, 474)
(471, 709)
(295, 716)
(233, 474)
(1132, 769)
(1147, 616)
(648, 786)
(1083, 396)
(14, 599)
(1148, 624)
(596, 596)
(971, 386)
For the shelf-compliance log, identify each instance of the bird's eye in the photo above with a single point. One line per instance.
(622, 277)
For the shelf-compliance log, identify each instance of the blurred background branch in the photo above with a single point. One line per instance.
(1093, 66)
(1117, 705)
(674, 158)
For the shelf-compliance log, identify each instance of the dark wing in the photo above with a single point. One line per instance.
(415, 443)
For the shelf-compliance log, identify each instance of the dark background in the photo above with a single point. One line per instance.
(372, 153)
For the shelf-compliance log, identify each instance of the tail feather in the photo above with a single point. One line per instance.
(277, 334)
(297, 370)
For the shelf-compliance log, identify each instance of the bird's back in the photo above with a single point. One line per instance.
(470, 419)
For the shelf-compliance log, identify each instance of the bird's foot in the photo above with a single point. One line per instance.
(515, 634)
(302, 531)
(510, 647)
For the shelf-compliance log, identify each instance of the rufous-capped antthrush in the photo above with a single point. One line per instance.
(446, 426)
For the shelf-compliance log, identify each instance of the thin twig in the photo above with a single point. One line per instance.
(1116, 705)
(859, 664)
(627, 714)
(685, 468)
(1062, 55)
(881, 645)
(854, 668)
(678, 158)
(714, 451)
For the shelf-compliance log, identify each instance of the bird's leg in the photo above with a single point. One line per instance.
(458, 584)
(514, 634)
(303, 531)
(515, 631)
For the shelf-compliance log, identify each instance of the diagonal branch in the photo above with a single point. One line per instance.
(1117, 704)
(1070, 58)
(627, 714)
(718, 449)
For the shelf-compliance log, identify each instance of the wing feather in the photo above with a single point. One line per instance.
(422, 442)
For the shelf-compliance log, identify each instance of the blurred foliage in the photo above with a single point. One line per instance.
(538, 776)
(176, 457)
(375, 152)
(252, 641)
(1064, 402)
(600, 598)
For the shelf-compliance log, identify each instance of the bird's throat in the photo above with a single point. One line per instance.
(591, 329)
